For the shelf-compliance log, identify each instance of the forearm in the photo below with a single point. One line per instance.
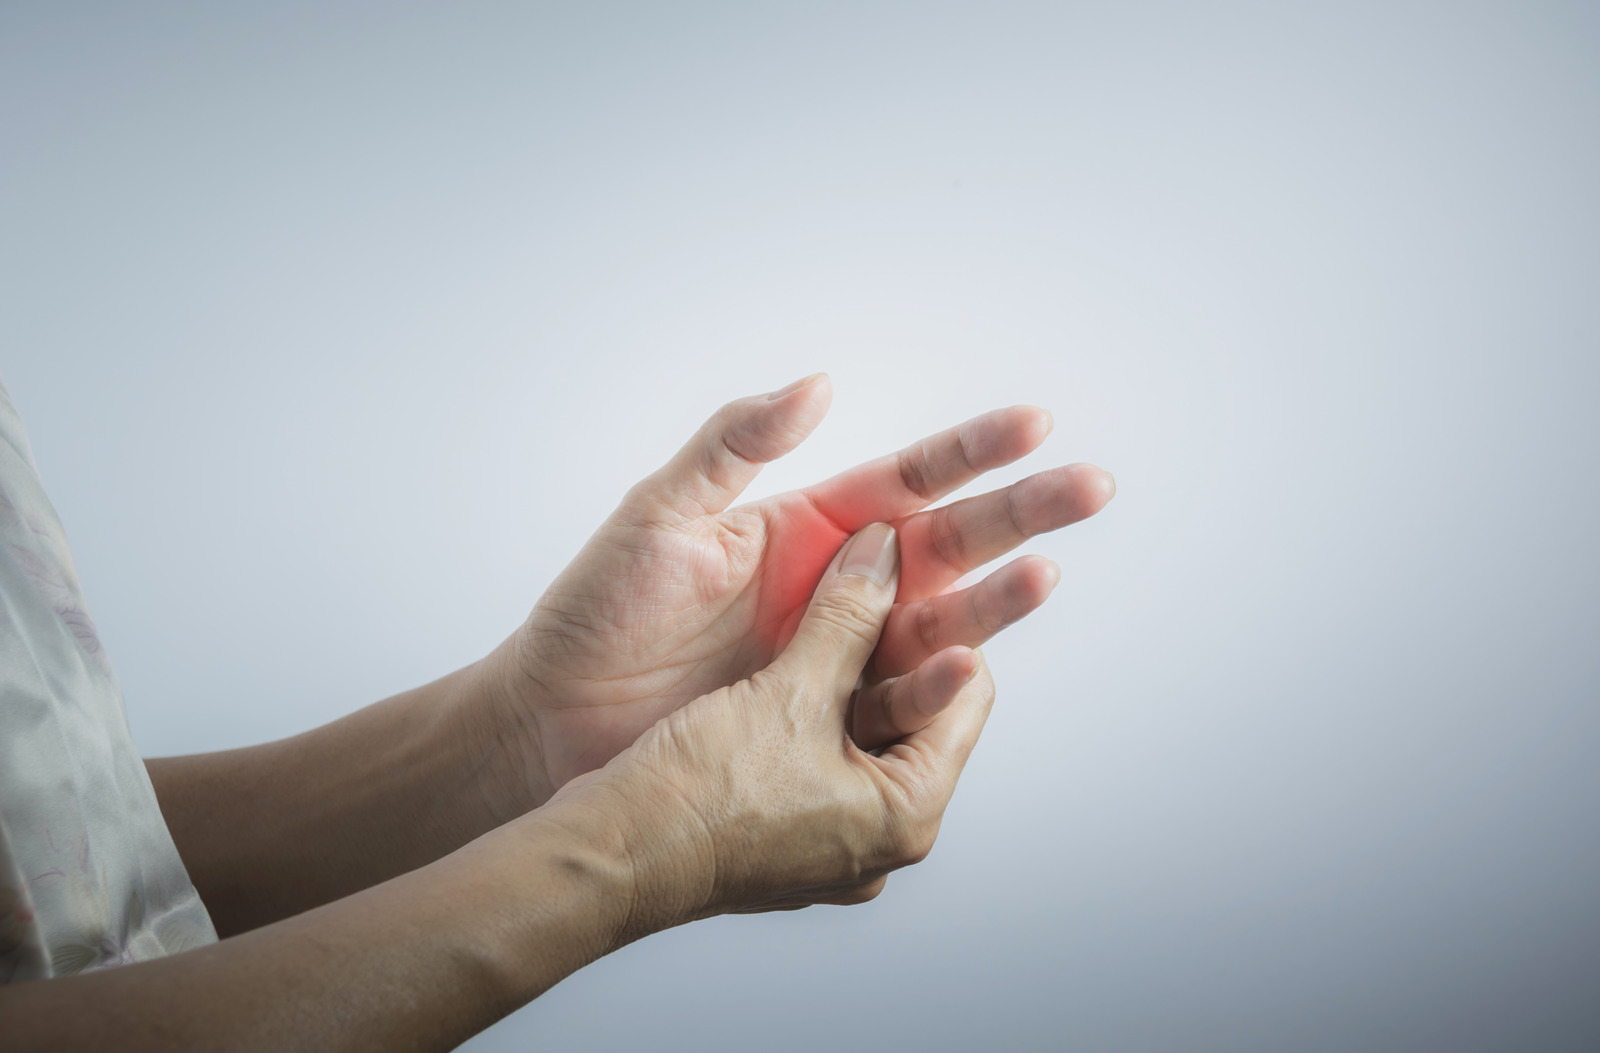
(420, 962)
(272, 830)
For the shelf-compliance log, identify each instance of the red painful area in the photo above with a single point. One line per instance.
(801, 542)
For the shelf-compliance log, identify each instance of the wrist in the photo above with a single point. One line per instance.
(506, 735)
(566, 871)
(653, 850)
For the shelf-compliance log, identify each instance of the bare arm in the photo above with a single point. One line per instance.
(752, 797)
(269, 831)
(421, 962)
(675, 596)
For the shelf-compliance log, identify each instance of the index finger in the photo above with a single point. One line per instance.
(900, 483)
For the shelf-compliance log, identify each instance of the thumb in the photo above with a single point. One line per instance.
(722, 458)
(841, 627)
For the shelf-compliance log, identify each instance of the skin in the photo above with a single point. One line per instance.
(751, 797)
(678, 594)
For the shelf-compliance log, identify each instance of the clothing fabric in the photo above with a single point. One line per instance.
(89, 876)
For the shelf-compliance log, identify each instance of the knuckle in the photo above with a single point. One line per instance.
(949, 545)
(768, 684)
(1014, 514)
(917, 844)
(982, 682)
(641, 494)
(915, 473)
(912, 838)
(849, 611)
(887, 708)
(728, 425)
(989, 611)
(864, 893)
(966, 444)
(928, 627)
(979, 692)
(730, 413)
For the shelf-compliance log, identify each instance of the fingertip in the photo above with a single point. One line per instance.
(937, 683)
(1047, 573)
(812, 394)
(807, 404)
(852, 602)
(874, 554)
(1097, 486)
(1028, 582)
(964, 662)
(1057, 497)
(1026, 428)
(958, 654)
(765, 429)
(1108, 486)
(1039, 424)
(790, 389)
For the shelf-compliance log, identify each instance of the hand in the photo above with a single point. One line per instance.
(677, 594)
(754, 797)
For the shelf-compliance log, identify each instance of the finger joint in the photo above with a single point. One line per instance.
(947, 540)
(916, 473)
(928, 627)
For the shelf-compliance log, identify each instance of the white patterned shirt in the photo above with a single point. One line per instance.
(89, 876)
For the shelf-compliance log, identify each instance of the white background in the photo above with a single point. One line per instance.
(338, 327)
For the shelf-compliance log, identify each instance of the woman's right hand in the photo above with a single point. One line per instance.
(755, 797)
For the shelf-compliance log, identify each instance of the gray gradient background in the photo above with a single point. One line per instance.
(339, 326)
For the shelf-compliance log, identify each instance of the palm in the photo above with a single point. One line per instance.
(677, 595)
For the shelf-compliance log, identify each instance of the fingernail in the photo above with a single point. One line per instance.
(792, 388)
(1113, 480)
(872, 554)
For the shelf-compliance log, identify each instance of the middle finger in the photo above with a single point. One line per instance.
(941, 544)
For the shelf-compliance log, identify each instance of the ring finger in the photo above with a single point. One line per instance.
(967, 616)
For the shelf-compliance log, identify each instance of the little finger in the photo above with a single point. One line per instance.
(891, 709)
